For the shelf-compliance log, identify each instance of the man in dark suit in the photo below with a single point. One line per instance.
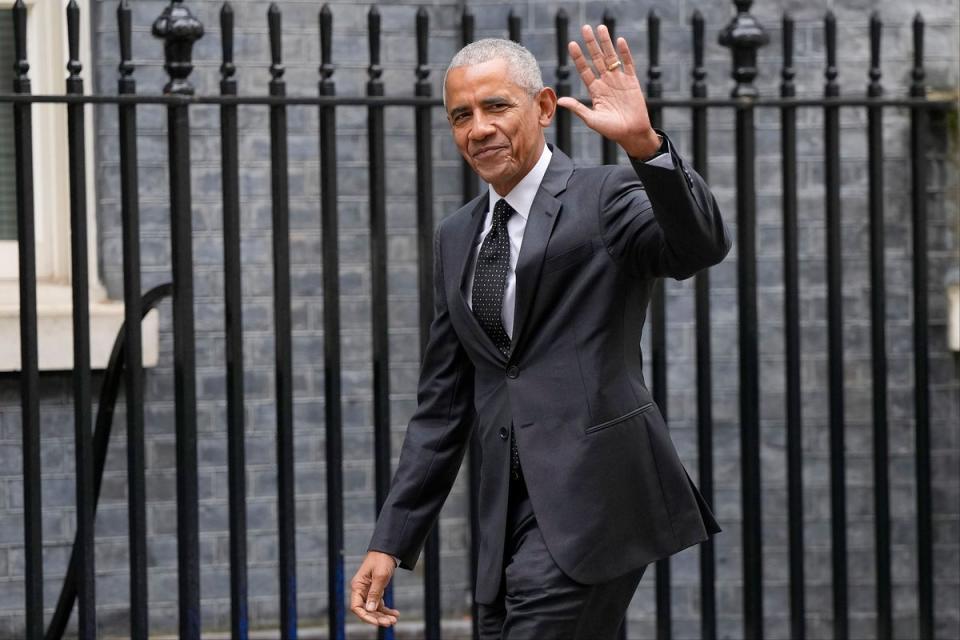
(542, 285)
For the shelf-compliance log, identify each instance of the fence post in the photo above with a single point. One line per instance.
(233, 324)
(791, 295)
(919, 123)
(878, 318)
(835, 369)
(82, 410)
(562, 23)
(29, 370)
(609, 148)
(743, 36)
(471, 182)
(333, 389)
(379, 289)
(132, 306)
(283, 341)
(698, 89)
(424, 153)
(179, 29)
(515, 26)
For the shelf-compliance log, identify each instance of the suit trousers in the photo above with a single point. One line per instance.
(537, 601)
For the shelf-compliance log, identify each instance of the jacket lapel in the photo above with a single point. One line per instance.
(543, 216)
(465, 249)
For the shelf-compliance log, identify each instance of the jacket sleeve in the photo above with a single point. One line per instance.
(436, 437)
(659, 218)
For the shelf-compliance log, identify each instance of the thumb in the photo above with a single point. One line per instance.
(377, 587)
(581, 110)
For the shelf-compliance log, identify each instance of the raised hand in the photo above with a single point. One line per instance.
(619, 110)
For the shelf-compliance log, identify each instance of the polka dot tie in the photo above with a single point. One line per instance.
(489, 283)
(490, 277)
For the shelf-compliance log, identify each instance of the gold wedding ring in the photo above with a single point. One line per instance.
(614, 65)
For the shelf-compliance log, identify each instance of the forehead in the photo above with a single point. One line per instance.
(474, 83)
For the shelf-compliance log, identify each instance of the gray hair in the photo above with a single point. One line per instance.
(522, 66)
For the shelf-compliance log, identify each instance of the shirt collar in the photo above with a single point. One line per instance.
(521, 196)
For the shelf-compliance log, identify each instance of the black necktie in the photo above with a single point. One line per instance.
(490, 277)
(489, 283)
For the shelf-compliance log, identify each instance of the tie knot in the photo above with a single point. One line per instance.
(502, 211)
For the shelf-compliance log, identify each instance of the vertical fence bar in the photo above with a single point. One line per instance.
(744, 35)
(878, 315)
(658, 321)
(921, 345)
(838, 516)
(180, 29)
(471, 186)
(515, 26)
(422, 114)
(286, 505)
(708, 605)
(471, 182)
(132, 308)
(29, 374)
(609, 148)
(79, 271)
(331, 334)
(563, 124)
(379, 306)
(233, 322)
(791, 296)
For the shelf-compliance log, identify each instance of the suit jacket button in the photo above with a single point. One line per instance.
(503, 433)
(513, 371)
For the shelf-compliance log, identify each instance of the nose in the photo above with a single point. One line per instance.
(482, 126)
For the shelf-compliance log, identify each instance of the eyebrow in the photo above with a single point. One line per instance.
(485, 102)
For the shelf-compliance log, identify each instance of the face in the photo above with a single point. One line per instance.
(496, 124)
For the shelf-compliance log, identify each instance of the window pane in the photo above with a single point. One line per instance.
(8, 203)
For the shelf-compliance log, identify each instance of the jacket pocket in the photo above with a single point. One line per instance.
(569, 257)
(612, 423)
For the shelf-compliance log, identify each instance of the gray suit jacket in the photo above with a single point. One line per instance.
(609, 491)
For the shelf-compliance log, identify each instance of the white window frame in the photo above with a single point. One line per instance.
(47, 54)
(52, 202)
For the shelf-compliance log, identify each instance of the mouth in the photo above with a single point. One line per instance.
(487, 152)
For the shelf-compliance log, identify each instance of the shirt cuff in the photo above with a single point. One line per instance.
(662, 159)
(397, 560)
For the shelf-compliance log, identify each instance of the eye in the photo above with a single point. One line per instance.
(460, 117)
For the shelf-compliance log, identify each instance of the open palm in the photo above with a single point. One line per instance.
(619, 110)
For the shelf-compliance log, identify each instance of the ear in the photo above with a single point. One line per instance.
(547, 101)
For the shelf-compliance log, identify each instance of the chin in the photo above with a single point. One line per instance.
(496, 176)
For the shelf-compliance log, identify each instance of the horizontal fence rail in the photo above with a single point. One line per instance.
(179, 30)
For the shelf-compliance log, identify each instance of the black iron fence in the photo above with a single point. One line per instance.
(179, 30)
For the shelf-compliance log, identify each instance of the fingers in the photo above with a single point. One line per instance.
(626, 57)
(580, 61)
(375, 592)
(381, 615)
(606, 46)
(603, 54)
(596, 53)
